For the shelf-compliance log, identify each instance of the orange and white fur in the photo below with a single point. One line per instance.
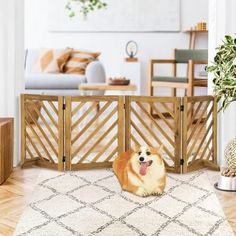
(141, 171)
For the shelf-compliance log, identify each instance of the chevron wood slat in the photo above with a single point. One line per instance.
(99, 140)
(94, 132)
(90, 123)
(198, 153)
(86, 113)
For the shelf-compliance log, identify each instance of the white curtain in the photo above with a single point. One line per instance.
(222, 21)
(12, 63)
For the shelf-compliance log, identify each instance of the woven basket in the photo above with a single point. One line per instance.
(230, 154)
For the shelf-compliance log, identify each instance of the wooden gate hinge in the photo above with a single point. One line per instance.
(182, 108)
(64, 159)
(181, 162)
(64, 106)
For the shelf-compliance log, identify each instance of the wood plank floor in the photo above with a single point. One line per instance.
(15, 192)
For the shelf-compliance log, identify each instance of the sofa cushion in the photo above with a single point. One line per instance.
(51, 60)
(78, 61)
(53, 81)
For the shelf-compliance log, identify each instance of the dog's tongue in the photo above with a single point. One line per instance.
(143, 168)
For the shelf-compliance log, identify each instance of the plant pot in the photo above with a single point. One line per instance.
(226, 184)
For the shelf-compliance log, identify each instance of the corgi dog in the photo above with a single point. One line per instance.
(141, 171)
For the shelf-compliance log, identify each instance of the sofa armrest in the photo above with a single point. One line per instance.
(95, 73)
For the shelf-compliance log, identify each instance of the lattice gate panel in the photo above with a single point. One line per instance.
(94, 131)
(199, 134)
(42, 122)
(142, 128)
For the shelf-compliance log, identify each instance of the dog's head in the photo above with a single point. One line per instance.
(146, 159)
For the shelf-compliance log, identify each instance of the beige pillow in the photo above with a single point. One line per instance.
(79, 60)
(52, 60)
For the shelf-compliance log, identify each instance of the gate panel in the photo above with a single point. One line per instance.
(199, 134)
(94, 131)
(143, 128)
(42, 122)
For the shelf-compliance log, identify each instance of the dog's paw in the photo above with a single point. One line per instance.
(158, 192)
(141, 192)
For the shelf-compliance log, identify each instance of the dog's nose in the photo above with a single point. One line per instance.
(141, 158)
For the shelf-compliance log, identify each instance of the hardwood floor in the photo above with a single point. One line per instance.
(14, 194)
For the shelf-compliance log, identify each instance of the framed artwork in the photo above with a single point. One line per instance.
(119, 16)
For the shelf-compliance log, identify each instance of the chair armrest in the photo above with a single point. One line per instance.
(199, 62)
(162, 61)
(95, 73)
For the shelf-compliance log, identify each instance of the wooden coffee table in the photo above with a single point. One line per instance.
(107, 87)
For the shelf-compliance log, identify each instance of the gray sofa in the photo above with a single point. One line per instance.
(60, 84)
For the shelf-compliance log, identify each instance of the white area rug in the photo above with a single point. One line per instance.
(92, 203)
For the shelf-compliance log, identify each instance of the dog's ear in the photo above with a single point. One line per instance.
(136, 148)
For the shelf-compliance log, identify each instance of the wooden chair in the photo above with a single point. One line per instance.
(191, 57)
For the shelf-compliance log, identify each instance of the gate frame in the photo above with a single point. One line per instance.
(120, 131)
(176, 101)
(200, 163)
(36, 161)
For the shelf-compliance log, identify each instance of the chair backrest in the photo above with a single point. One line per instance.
(184, 55)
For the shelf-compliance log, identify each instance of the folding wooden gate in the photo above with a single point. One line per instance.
(89, 132)
(42, 128)
(94, 131)
(143, 129)
(199, 133)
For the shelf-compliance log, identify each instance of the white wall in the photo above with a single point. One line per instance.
(112, 45)
(12, 64)
(222, 21)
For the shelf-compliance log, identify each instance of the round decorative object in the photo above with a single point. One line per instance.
(131, 49)
(230, 154)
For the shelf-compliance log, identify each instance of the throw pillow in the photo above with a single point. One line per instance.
(79, 60)
(52, 60)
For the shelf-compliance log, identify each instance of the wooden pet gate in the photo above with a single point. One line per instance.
(72, 133)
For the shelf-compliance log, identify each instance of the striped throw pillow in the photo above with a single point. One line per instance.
(79, 60)
(52, 60)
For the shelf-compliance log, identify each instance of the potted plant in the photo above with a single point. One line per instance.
(84, 6)
(224, 70)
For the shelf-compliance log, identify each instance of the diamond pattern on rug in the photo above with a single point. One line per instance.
(197, 214)
(114, 230)
(207, 205)
(90, 194)
(47, 230)
(110, 206)
(85, 221)
(174, 229)
(188, 193)
(57, 205)
(154, 220)
(34, 220)
(91, 202)
(72, 183)
(42, 193)
(174, 206)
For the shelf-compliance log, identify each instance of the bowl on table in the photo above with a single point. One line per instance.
(118, 81)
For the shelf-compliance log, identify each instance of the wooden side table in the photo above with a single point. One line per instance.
(107, 87)
(6, 148)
